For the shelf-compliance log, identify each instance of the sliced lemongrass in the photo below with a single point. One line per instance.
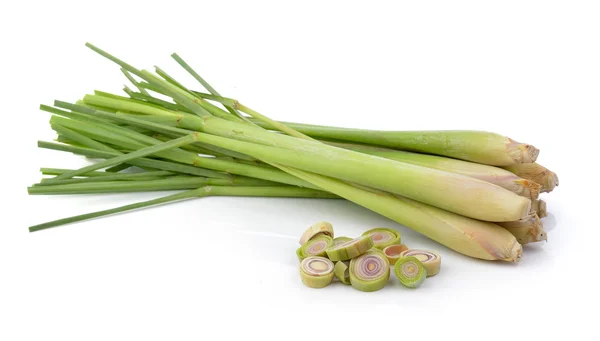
(539, 207)
(299, 254)
(430, 260)
(410, 271)
(369, 271)
(318, 228)
(393, 252)
(536, 173)
(317, 246)
(341, 271)
(350, 249)
(337, 241)
(316, 272)
(527, 230)
(383, 237)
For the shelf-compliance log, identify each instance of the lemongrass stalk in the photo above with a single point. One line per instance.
(142, 162)
(369, 271)
(432, 261)
(528, 230)
(474, 238)
(81, 139)
(536, 173)
(130, 156)
(117, 168)
(314, 230)
(539, 207)
(495, 175)
(242, 191)
(165, 104)
(316, 272)
(59, 171)
(111, 177)
(476, 146)
(167, 184)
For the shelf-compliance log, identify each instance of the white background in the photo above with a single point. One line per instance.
(218, 267)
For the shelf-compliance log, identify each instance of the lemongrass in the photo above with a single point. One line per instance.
(430, 260)
(476, 146)
(316, 229)
(491, 174)
(528, 230)
(350, 249)
(317, 246)
(369, 271)
(392, 252)
(536, 173)
(410, 271)
(481, 200)
(341, 271)
(383, 237)
(316, 272)
(337, 241)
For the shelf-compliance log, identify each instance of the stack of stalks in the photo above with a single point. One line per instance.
(474, 192)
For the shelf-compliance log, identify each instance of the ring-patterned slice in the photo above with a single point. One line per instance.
(316, 246)
(383, 237)
(337, 241)
(317, 229)
(316, 272)
(410, 271)
(431, 260)
(369, 271)
(393, 252)
(350, 249)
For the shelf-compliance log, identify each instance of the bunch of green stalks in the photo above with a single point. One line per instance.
(466, 190)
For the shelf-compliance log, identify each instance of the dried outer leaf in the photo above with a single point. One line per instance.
(369, 271)
(350, 249)
(539, 207)
(536, 173)
(432, 261)
(316, 272)
(318, 228)
(528, 230)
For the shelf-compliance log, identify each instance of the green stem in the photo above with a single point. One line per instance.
(283, 191)
(110, 177)
(130, 156)
(173, 183)
(142, 162)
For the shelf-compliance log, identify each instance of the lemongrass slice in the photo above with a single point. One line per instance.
(337, 241)
(410, 271)
(299, 254)
(393, 252)
(369, 271)
(341, 271)
(350, 249)
(383, 237)
(316, 272)
(318, 228)
(430, 260)
(316, 246)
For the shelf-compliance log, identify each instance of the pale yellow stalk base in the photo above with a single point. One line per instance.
(539, 207)
(536, 173)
